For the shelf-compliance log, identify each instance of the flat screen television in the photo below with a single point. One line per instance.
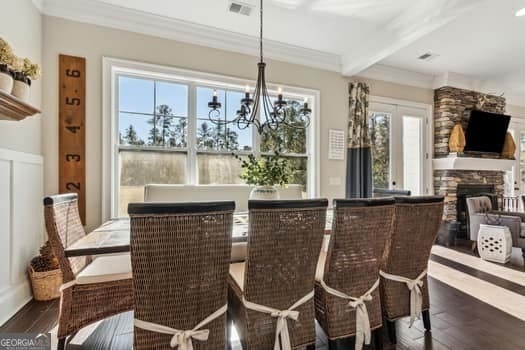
(486, 132)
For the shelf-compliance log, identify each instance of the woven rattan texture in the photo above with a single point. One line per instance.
(357, 242)
(81, 305)
(180, 266)
(283, 250)
(415, 230)
(63, 229)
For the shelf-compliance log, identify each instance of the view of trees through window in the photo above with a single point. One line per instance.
(155, 144)
(379, 129)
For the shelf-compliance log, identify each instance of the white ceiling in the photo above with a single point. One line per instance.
(481, 40)
(486, 44)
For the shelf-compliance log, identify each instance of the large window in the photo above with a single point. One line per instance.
(165, 136)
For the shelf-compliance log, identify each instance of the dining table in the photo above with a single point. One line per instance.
(113, 236)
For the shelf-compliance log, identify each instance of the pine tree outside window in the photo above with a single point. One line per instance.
(165, 137)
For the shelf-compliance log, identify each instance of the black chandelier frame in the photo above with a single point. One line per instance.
(259, 110)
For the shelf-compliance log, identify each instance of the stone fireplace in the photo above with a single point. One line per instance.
(458, 176)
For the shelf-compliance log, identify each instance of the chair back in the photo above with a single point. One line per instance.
(284, 241)
(477, 205)
(180, 257)
(64, 227)
(360, 231)
(416, 223)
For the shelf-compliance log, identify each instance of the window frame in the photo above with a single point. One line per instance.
(113, 68)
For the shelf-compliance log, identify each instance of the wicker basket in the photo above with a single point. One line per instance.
(45, 284)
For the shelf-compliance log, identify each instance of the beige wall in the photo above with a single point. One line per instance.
(94, 42)
(21, 26)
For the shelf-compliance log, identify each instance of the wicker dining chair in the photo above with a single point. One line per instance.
(416, 224)
(360, 230)
(91, 290)
(180, 257)
(271, 294)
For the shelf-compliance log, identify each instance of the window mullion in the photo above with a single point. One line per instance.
(191, 162)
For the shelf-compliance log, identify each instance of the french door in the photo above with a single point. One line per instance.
(399, 147)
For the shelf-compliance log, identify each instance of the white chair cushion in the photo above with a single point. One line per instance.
(237, 274)
(106, 269)
(239, 251)
(319, 272)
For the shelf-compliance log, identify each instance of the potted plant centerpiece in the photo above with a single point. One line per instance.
(6, 62)
(266, 173)
(24, 72)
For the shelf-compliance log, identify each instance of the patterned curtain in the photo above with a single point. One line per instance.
(359, 154)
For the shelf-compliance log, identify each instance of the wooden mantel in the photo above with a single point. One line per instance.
(11, 108)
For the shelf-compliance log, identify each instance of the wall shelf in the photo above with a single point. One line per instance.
(11, 108)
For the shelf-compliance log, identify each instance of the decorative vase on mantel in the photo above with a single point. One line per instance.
(6, 79)
(509, 147)
(265, 193)
(456, 141)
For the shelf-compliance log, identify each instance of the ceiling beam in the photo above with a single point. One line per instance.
(420, 19)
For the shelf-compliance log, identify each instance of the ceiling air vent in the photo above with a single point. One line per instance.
(428, 56)
(244, 7)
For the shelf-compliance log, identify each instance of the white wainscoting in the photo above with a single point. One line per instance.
(21, 226)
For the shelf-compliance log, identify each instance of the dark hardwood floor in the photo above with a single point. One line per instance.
(459, 321)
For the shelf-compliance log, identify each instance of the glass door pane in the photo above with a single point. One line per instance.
(379, 124)
(412, 154)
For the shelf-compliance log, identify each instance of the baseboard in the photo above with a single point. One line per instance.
(13, 299)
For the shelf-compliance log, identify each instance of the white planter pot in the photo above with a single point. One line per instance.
(21, 90)
(6, 82)
(264, 193)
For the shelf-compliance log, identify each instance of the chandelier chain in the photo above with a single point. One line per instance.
(261, 33)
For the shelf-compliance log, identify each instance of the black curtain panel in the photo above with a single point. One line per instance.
(359, 155)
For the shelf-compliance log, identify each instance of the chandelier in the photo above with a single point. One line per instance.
(259, 109)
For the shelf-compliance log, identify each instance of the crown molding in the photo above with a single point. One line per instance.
(515, 99)
(39, 4)
(398, 76)
(108, 15)
(459, 81)
(488, 86)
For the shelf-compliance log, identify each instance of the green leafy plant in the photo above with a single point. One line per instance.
(266, 171)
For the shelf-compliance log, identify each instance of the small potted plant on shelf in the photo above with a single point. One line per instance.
(24, 72)
(266, 173)
(45, 274)
(6, 62)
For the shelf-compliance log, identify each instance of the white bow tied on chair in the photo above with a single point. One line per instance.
(182, 340)
(416, 295)
(282, 334)
(362, 321)
(281, 328)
